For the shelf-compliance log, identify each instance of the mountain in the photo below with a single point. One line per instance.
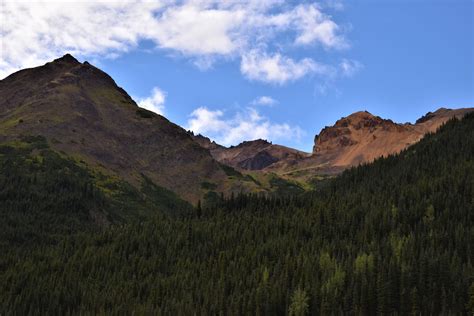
(83, 114)
(394, 237)
(250, 155)
(361, 137)
(89, 205)
(358, 138)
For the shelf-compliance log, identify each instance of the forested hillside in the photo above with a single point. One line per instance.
(45, 195)
(394, 236)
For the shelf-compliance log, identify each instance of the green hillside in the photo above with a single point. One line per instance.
(392, 237)
(45, 195)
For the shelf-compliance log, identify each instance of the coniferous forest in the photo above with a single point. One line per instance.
(392, 237)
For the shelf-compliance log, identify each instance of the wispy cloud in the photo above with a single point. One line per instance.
(350, 67)
(244, 125)
(264, 100)
(337, 5)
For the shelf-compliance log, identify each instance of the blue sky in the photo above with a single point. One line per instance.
(269, 69)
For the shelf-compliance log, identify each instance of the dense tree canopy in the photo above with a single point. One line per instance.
(393, 236)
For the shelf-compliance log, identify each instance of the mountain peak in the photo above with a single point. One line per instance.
(361, 114)
(67, 59)
(357, 128)
(359, 119)
(442, 110)
(256, 142)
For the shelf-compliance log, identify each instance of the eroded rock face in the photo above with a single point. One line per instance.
(362, 137)
(351, 130)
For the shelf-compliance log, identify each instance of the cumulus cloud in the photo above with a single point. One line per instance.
(245, 125)
(205, 121)
(278, 69)
(264, 100)
(314, 27)
(36, 31)
(155, 102)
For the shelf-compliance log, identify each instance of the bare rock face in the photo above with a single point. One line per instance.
(362, 137)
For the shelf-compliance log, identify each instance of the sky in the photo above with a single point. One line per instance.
(249, 69)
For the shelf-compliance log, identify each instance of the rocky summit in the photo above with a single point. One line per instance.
(361, 137)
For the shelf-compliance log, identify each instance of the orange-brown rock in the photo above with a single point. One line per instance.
(362, 137)
(358, 138)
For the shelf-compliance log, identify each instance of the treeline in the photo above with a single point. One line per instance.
(392, 237)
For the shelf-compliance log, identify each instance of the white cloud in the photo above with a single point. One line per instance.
(206, 121)
(155, 102)
(36, 31)
(314, 26)
(264, 100)
(245, 125)
(279, 69)
(349, 67)
(196, 29)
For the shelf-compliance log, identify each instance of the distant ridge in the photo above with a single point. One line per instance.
(358, 138)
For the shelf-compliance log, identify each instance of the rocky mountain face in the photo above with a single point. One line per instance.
(362, 137)
(358, 138)
(85, 115)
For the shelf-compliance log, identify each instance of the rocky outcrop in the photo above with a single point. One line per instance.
(362, 137)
